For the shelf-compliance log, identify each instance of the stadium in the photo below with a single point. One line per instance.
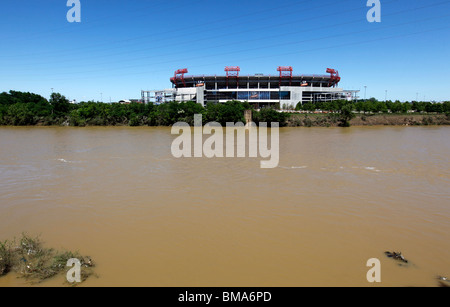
(283, 88)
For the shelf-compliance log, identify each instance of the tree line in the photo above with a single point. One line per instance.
(373, 105)
(23, 109)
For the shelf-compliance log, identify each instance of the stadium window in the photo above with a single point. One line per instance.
(285, 95)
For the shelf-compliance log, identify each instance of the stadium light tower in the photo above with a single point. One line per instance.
(285, 72)
(334, 77)
(179, 75)
(232, 72)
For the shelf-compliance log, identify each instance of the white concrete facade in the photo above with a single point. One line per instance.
(285, 95)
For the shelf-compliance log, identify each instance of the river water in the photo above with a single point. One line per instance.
(338, 198)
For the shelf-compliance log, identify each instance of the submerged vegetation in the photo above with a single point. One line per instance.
(29, 259)
(25, 109)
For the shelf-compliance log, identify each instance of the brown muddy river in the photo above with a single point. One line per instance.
(338, 198)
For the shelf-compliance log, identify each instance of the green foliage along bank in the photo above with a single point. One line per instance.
(374, 106)
(26, 109)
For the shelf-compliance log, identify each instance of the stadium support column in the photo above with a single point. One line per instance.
(296, 95)
(145, 96)
(248, 118)
(201, 95)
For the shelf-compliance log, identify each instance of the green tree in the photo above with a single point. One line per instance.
(167, 113)
(406, 107)
(309, 106)
(231, 111)
(59, 103)
(20, 115)
(187, 110)
(270, 115)
(396, 107)
(418, 106)
(346, 115)
(446, 106)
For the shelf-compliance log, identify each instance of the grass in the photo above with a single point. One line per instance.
(31, 260)
(6, 261)
(393, 119)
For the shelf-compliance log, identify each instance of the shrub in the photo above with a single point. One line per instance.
(269, 115)
(6, 258)
(346, 115)
(20, 115)
(32, 261)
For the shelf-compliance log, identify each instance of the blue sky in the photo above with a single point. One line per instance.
(123, 46)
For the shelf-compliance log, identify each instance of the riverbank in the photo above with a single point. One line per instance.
(332, 120)
(294, 120)
(27, 109)
(285, 119)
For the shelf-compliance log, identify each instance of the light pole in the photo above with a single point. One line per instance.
(365, 91)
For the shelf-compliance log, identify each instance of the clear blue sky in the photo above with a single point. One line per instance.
(123, 46)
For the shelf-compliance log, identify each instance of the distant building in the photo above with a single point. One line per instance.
(261, 90)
